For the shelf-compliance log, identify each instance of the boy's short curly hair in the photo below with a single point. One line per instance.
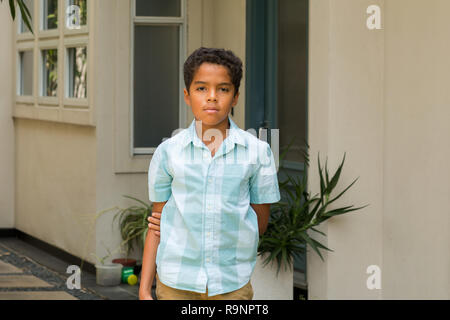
(213, 55)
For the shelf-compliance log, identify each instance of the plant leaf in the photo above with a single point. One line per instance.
(12, 8)
(26, 16)
(335, 178)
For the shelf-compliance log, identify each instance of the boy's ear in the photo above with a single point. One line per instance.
(187, 98)
(235, 99)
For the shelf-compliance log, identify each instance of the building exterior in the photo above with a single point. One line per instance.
(81, 112)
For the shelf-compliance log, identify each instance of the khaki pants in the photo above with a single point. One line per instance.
(164, 292)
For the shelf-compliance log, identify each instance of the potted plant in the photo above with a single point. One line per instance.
(133, 226)
(107, 274)
(290, 221)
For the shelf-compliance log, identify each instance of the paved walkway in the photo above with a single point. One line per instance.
(28, 273)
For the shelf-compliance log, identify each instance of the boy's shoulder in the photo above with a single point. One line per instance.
(177, 139)
(250, 139)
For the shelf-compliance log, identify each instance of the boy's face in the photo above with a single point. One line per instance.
(211, 95)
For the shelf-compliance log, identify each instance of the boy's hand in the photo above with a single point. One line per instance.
(154, 224)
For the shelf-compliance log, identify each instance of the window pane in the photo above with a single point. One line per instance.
(292, 76)
(50, 12)
(82, 4)
(26, 73)
(23, 26)
(77, 72)
(49, 72)
(156, 84)
(158, 8)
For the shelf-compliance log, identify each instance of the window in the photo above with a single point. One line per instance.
(49, 14)
(25, 83)
(49, 72)
(76, 83)
(52, 63)
(158, 43)
(22, 26)
(155, 8)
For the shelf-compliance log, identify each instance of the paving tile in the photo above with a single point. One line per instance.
(8, 268)
(3, 252)
(36, 295)
(22, 281)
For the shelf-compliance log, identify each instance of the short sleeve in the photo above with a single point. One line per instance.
(159, 178)
(264, 181)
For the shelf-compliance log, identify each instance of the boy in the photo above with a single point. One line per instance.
(213, 184)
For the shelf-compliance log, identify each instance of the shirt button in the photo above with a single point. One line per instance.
(208, 260)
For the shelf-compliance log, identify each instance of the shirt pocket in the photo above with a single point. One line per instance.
(235, 182)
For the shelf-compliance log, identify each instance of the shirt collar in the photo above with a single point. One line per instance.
(234, 135)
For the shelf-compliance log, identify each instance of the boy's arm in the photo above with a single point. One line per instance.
(148, 270)
(263, 213)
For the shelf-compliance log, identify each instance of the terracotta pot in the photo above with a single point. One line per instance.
(125, 262)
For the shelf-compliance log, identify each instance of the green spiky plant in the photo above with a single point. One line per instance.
(26, 16)
(287, 231)
(133, 224)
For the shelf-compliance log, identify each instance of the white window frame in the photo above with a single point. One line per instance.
(182, 23)
(61, 109)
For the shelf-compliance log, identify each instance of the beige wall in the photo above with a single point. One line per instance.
(416, 235)
(379, 96)
(6, 121)
(55, 183)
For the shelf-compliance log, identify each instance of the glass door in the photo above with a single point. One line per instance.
(277, 86)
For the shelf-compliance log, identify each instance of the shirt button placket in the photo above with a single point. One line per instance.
(209, 217)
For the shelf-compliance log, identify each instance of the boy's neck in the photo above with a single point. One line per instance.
(222, 127)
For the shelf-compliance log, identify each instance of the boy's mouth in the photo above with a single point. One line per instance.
(211, 111)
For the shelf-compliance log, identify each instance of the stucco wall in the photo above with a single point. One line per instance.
(55, 183)
(6, 121)
(416, 233)
(379, 95)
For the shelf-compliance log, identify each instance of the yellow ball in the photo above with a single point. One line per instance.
(132, 280)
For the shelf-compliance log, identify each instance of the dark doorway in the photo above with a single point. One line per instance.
(277, 84)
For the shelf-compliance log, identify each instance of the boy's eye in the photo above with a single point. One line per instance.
(225, 89)
(200, 88)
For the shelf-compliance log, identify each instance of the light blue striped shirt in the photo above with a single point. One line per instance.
(209, 231)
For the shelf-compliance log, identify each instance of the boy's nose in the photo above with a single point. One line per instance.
(212, 96)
